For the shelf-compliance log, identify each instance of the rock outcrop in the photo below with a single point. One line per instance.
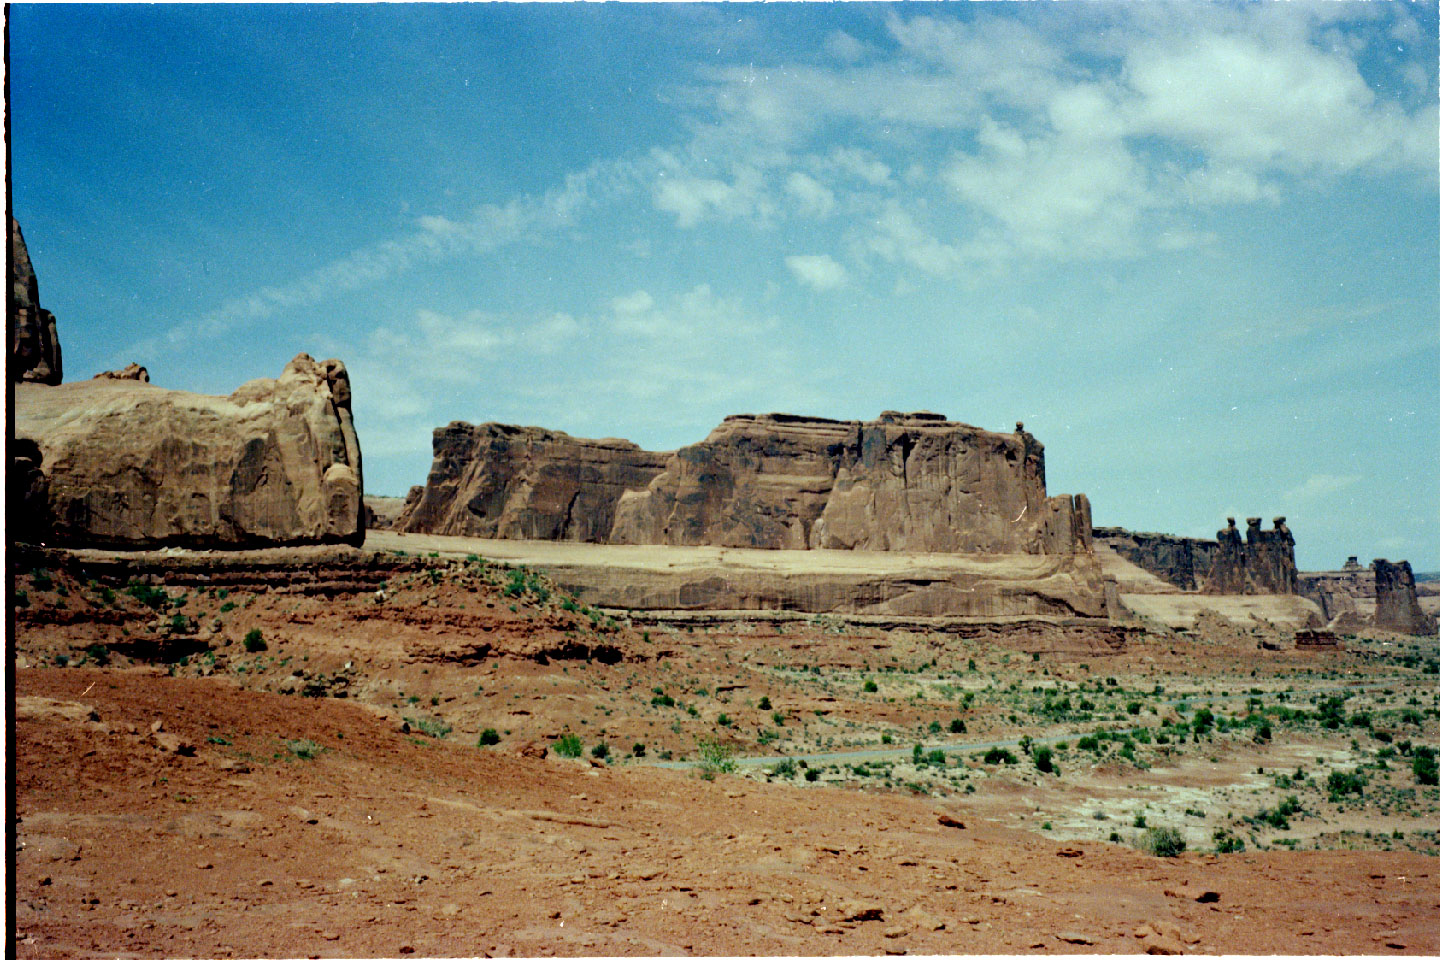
(908, 482)
(132, 371)
(525, 483)
(1396, 605)
(34, 342)
(1181, 561)
(905, 482)
(125, 464)
(1262, 561)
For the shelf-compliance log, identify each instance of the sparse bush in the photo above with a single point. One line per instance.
(98, 653)
(1000, 755)
(152, 597)
(489, 737)
(638, 750)
(600, 751)
(432, 727)
(724, 720)
(785, 768)
(957, 725)
(1162, 842)
(1340, 784)
(1226, 842)
(569, 746)
(715, 757)
(811, 775)
(764, 703)
(304, 749)
(1139, 820)
(1424, 766)
(254, 642)
(1044, 759)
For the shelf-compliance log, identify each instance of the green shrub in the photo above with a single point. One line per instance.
(1162, 842)
(432, 727)
(811, 775)
(1139, 820)
(785, 768)
(1340, 784)
(40, 579)
(569, 746)
(1044, 759)
(304, 749)
(152, 597)
(489, 737)
(1000, 755)
(1133, 708)
(871, 687)
(254, 642)
(764, 703)
(638, 750)
(179, 623)
(957, 725)
(723, 720)
(1226, 842)
(600, 751)
(1424, 766)
(715, 757)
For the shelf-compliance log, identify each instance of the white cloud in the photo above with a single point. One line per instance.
(898, 238)
(632, 303)
(693, 199)
(1317, 486)
(813, 197)
(844, 47)
(818, 270)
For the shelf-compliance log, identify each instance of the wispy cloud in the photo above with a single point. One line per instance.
(820, 271)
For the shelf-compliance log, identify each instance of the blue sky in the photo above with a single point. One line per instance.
(1196, 248)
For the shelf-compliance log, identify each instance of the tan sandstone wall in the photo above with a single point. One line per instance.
(124, 463)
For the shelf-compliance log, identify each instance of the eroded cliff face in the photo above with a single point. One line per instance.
(1182, 561)
(124, 463)
(1396, 605)
(525, 483)
(34, 342)
(906, 482)
(1263, 562)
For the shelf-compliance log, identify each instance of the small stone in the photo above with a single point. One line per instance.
(406, 949)
(1209, 896)
(892, 933)
(1069, 852)
(1071, 937)
(204, 866)
(157, 726)
(265, 883)
(948, 821)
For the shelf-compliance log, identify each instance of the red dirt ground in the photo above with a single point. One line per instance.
(388, 844)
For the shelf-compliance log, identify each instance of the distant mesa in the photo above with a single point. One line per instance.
(34, 341)
(1396, 605)
(913, 482)
(119, 462)
(1260, 562)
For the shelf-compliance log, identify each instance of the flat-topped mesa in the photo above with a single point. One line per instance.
(907, 482)
(34, 342)
(1396, 605)
(124, 463)
(525, 483)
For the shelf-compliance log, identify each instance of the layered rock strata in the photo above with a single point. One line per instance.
(123, 463)
(1181, 561)
(907, 482)
(904, 482)
(34, 342)
(525, 483)
(1396, 605)
(1260, 562)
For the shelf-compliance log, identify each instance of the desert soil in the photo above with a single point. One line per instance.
(327, 795)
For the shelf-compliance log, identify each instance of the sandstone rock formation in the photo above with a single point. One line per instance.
(382, 512)
(1181, 561)
(127, 464)
(1347, 592)
(1264, 562)
(132, 371)
(1396, 605)
(34, 343)
(525, 483)
(905, 482)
